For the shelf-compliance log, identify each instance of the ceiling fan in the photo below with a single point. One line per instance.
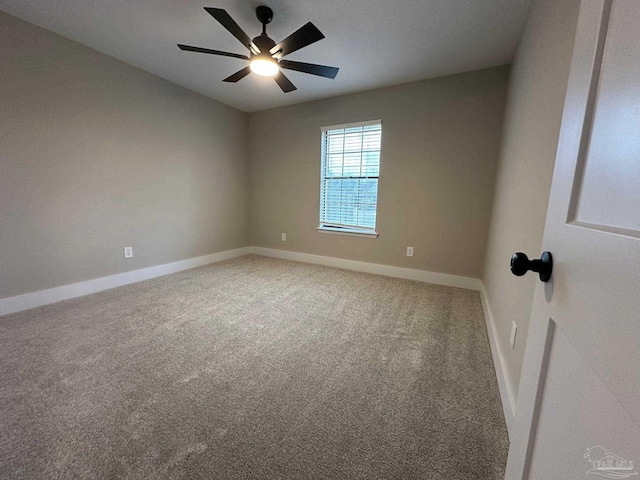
(265, 57)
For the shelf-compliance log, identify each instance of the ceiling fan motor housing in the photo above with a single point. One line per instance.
(265, 44)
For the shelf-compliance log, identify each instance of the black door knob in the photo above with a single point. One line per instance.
(520, 264)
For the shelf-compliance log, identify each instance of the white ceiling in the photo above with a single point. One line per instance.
(375, 43)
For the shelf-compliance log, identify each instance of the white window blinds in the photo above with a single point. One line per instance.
(349, 182)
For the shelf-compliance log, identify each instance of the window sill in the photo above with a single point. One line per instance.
(347, 232)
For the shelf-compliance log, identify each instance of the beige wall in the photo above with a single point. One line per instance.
(537, 88)
(440, 141)
(96, 155)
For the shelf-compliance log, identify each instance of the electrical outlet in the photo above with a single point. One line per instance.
(512, 338)
(409, 251)
(284, 237)
(128, 252)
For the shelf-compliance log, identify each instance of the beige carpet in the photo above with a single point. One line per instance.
(252, 368)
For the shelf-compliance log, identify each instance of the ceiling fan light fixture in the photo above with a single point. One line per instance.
(267, 67)
(266, 58)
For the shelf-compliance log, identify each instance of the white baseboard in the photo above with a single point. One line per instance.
(53, 295)
(57, 294)
(387, 270)
(507, 394)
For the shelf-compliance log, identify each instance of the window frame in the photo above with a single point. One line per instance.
(335, 228)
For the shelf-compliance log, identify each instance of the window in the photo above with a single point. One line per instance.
(349, 177)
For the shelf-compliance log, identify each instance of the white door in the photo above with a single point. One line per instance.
(578, 410)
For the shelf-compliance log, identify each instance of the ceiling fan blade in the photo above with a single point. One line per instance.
(305, 35)
(239, 75)
(284, 83)
(313, 69)
(189, 48)
(229, 23)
